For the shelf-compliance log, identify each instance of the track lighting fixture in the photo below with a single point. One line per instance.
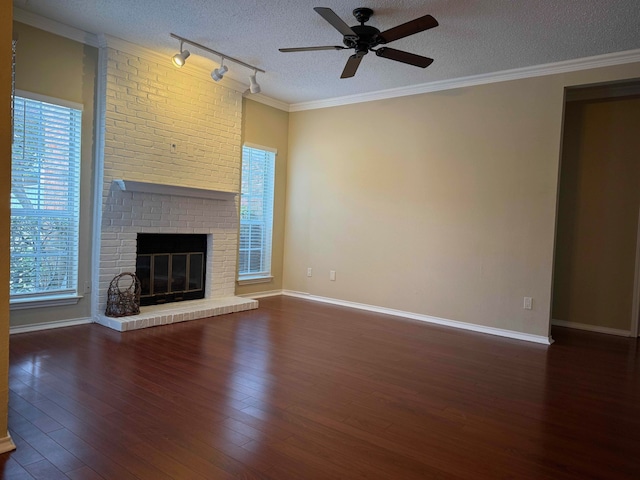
(179, 58)
(217, 74)
(253, 85)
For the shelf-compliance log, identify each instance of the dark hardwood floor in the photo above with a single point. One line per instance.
(302, 390)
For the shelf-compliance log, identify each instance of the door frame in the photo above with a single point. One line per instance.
(635, 309)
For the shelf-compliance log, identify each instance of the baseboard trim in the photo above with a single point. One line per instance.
(268, 293)
(426, 318)
(592, 328)
(35, 327)
(6, 444)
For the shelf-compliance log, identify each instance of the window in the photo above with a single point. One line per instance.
(45, 199)
(256, 213)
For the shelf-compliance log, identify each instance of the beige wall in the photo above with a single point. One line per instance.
(598, 213)
(51, 65)
(57, 67)
(269, 127)
(440, 204)
(5, 215)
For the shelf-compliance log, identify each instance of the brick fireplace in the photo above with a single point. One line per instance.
(172, 154)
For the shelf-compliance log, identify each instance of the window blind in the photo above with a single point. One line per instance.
(45, 199)
(256, 212)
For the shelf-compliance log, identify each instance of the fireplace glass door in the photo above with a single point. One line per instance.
(170, 276)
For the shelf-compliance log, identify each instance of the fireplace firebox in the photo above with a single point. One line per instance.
(171, 267)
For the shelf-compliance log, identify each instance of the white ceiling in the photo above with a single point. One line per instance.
(474, 37)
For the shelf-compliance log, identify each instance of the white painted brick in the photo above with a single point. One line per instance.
(150, 106)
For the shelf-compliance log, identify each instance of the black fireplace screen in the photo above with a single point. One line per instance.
(171, 267)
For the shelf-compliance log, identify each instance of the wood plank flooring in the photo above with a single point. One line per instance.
(302, 390)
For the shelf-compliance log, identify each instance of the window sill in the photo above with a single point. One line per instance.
(43, 302)
(252, 280)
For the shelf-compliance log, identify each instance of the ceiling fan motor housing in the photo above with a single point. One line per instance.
(367, 37)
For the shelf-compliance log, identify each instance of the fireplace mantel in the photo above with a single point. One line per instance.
(166, 189)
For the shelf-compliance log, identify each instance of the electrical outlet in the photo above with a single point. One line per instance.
(528, 302)
(332, 275)
(174, 148)
(309, 272)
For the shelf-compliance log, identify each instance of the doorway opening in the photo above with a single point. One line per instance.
(596, 268)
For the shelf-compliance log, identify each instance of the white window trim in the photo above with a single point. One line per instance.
(250, 279)
(40, 300)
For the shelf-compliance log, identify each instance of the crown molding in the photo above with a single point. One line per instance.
(606, 60)
(54, 27)
(271, 102)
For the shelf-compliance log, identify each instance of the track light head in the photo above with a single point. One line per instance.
(218, 73)
(180, 58)
(253, 84)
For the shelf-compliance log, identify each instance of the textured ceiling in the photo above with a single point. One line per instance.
(474, 36)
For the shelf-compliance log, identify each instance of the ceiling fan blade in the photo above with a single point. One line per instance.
(310, 49)
(414, 26)
(404, 57)
(335, 21)
(352, 66)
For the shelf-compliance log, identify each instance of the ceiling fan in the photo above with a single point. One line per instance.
(364, 38)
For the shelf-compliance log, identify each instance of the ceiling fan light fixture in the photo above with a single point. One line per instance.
(254, 87)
